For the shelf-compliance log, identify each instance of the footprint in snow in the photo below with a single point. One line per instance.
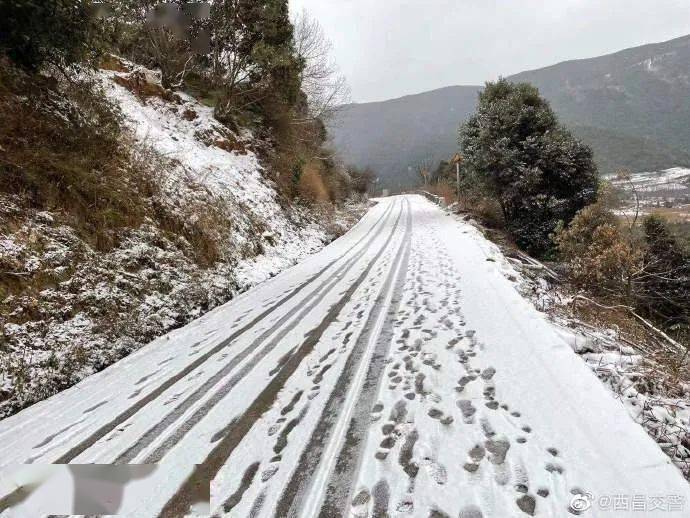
(269, 472)
(406, 453)
(361, 498)
(552, 467)
(488, 373)
(471, 511)
(376, 412)
(527, 504)
(468, 410)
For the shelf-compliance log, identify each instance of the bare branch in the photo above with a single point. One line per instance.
(325, 87)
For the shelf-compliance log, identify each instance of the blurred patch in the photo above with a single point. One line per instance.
(85, 489)
(180, 20)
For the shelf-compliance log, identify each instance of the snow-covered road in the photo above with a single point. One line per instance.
(396, 373)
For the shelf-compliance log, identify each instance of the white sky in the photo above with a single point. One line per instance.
(391, 48)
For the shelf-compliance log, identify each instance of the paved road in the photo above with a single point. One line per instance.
(397, 373)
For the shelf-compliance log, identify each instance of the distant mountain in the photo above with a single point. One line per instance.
(393, 136)
(632, 107)
(614, 150)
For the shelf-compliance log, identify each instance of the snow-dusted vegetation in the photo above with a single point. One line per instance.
(645, 372)
(71, 307)
(156, 161)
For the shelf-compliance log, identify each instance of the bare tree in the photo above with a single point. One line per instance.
(326, 88)
(625, 175)
(424, 166)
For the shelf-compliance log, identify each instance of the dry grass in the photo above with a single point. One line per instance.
(671, 367)
(311, 185)
(63, 151)
(486, 210)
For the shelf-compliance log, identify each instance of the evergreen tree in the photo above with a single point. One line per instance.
(252, 54)
(539, 173)
(664, 282)
(38, 32)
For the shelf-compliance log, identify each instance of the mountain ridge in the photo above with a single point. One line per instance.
(629, 105)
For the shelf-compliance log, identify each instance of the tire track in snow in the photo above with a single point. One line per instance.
(125, 415)
(196, 485)
(306, 475)
(315, 297)
(341, 483)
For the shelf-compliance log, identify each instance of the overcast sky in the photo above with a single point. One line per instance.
(390, 48)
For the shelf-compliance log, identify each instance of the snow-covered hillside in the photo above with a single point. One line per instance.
(667, 191)
(205, 151)
(674, 179)
(103, 305)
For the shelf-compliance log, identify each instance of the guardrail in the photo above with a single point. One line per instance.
(438, 200)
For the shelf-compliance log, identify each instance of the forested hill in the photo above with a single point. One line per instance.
(394, 136)
(630, 106)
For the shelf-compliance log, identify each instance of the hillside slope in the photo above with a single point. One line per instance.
(212, 225)
(393, 136)
(614, 150)
(641, 91)
(630, 106)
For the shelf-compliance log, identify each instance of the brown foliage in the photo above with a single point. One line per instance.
(63, 149)
(445, 190)
(113, 63)
(486, 209)
(311, 185)
(603, 256)
(64, 152)
(649, 272)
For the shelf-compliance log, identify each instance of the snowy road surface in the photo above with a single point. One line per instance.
(396, 373)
